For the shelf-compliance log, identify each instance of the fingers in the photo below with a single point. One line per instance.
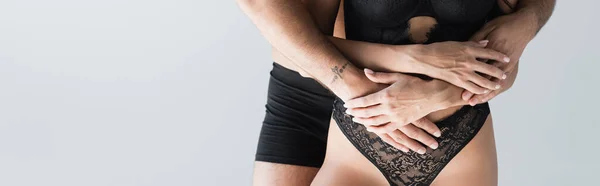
(366, 112)
(466, 95)
(488, 54)
(386, 128)
(477, 99)
(408, 136)
(365, 101)
(389, 140)
(384, 77)
(428, 126)
(489, 96)
(484, 82)
(488, 69)
(419, 135)
(375, 120)
(408, 142)
(472, 87)
(478, 44)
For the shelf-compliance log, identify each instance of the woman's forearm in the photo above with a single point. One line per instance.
(396, 58)
(378, 57)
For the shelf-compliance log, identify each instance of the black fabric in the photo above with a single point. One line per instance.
(413, 169)
(296, 123)
(389, 22)
(298, 109)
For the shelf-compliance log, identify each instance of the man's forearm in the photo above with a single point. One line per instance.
(541, 10)
(289, 27)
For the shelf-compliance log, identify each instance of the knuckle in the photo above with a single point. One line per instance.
(417, 135)
(418, 123)
(389, 128)
(388, 95)
(410, 133)
(468, 64)
(458, 78)
(466, 49)
(397, 119)
(389, 109)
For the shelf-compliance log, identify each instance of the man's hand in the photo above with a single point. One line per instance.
(508, 34)
(396, 112)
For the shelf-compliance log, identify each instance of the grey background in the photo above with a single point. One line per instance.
(161, 93)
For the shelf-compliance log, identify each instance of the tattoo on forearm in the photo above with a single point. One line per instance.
(337, 71)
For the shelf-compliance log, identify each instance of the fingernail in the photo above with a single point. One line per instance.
(506, 59)
(484, 42)
(437, 134)
(369, 71)
(503, 76)
(497, 86)
(354, 119)
(405, 150)
(421, 151)
(483, 100)
(486, 91)
(434, 146)
(474, 102)
(345, 106)
(347, 111)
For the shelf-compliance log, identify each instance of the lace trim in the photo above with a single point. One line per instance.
(413, 169)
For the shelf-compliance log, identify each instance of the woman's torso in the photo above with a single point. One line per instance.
(401, 22)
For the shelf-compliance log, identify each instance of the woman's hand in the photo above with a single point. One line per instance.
(458, 63)
(407, 99)
(396, 113)
(409, 137)
(482, 98)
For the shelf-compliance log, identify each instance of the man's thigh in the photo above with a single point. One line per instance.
(275, 174)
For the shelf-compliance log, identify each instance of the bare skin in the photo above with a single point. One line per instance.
(276, 174)
(475, 165)
(266, 173)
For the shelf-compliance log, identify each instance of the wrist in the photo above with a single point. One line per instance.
(445, 95)
(406, 58)
(353, 84)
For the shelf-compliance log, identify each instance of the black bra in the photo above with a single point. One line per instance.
(386, 21)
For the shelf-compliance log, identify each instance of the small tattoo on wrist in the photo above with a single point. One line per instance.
(338, 71)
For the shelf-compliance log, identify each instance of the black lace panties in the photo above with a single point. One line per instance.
(413, 169)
